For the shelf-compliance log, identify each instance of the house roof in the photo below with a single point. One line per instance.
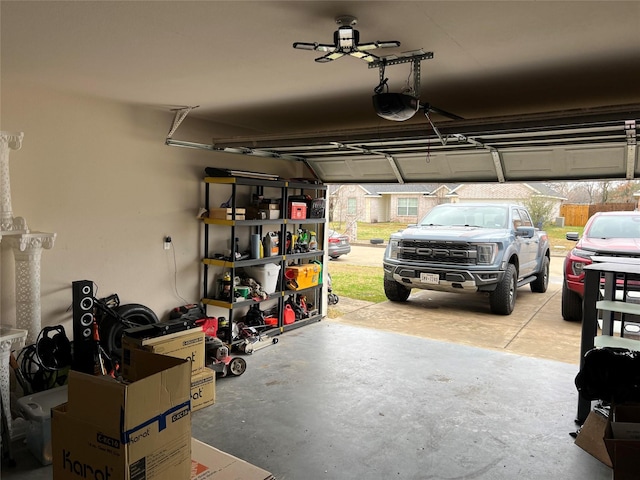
(375, 189)
(543, 189)
(538, 188)
(391, 188)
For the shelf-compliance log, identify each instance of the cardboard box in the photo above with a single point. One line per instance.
(273, 214)
(591, 437)
(596, 438)
(226, 213)
(187, 344)
(132, 430)
(623, 452)
(209, 463)
(302, 276)
(625, 423)
(203, 389)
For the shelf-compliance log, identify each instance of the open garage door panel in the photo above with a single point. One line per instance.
(591, 145)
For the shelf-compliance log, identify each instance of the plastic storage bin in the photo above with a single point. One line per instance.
(36, 409)
(266, 275)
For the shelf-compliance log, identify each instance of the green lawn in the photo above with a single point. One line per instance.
(367, 231)
(355, 281)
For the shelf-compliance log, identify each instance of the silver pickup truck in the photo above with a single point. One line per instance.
(464, 247)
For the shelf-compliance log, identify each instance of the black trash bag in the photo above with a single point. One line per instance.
(611, 375)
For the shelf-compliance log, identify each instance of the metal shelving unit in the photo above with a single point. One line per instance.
(242, 229)
(607, 286)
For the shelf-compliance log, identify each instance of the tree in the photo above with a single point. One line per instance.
(540, 209)
(623, 192)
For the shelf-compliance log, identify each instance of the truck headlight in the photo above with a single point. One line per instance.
(486, 253)
(577, 266)
(392, 248)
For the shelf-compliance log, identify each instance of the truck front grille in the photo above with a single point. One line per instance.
(459, 253)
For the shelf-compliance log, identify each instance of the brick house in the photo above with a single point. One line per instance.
(402, 203)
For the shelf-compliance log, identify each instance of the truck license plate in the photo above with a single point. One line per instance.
(432, 278)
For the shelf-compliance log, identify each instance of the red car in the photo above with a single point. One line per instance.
(613, 234)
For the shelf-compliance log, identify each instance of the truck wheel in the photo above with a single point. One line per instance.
(503, 299)
(571, 305)
(396, 292)
(540, 284)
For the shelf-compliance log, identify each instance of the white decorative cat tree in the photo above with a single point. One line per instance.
(27, 250)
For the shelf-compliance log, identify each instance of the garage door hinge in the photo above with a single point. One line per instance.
(630, 130)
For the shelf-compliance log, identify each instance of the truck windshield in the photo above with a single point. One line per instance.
(615, 226)
(488, 216)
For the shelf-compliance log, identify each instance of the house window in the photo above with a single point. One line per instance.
(352, 204)
(408, 207)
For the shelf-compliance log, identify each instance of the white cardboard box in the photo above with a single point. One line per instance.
(209, 463)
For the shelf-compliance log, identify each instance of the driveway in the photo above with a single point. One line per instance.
(535, 328)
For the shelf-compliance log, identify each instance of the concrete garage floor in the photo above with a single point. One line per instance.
(535, 328)
(483, 397)
(336, 401)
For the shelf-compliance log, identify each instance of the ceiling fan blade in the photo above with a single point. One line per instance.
(319, 47)
(367, 57)
(329, 57)
(389, 44)
(304, 46)
(374, 45)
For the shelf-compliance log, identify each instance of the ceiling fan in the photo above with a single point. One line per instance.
(346, 42)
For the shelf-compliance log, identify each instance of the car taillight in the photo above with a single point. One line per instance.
(334, 240)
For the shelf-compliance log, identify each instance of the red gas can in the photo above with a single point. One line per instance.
(289, 315)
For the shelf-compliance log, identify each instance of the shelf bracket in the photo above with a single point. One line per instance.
(181, 114)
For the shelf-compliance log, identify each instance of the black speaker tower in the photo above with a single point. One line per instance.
(83, 311)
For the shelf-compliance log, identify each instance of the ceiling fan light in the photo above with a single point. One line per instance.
(367, 57)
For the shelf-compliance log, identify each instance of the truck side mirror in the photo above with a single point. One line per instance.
(575, 236)
(526, 232)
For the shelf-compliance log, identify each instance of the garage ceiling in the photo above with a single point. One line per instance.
(546, 90)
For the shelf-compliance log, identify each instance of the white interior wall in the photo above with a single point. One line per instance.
(98, 174)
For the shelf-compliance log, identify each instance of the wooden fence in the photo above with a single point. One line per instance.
(576, 215)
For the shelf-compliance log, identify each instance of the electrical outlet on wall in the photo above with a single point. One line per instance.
(167, 242)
